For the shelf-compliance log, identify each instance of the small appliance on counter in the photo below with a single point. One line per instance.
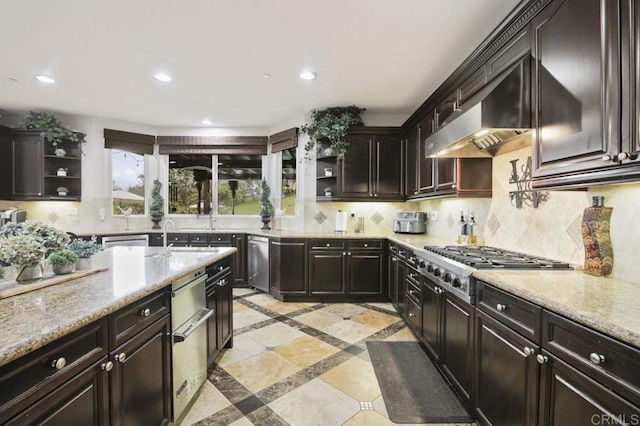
(410, 223)
(341, 222)
(12, 215)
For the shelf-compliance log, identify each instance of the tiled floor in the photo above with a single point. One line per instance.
(298, 364)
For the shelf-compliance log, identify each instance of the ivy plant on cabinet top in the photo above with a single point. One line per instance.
(332, 124)
(50, 127)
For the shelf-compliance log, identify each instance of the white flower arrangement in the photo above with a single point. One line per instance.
(52, 238)
(23, 249)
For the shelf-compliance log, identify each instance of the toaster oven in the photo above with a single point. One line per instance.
(410, 223)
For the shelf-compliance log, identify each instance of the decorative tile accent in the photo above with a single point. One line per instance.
(450, 221)
(53, 217)
(493, 224)
(376, 218)
(575, 232)
(366, 406)
(320, 218)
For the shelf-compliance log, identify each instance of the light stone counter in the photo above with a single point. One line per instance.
(604, 304)
(31, 320)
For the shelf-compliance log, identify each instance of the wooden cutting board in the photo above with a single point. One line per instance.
(12, 288)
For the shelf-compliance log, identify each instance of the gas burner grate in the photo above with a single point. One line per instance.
(486, 257)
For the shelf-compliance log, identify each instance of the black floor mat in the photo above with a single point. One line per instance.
(413, 389)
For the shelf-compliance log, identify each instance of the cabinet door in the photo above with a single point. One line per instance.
(507, 382)
(356, 180)
(570, 398)
(224, 312)
(431, 317)
(83, 400)
(27, 167)
(446, 109)
(393, 280)
(365, 273)
(457, 344)
(575, 86)
(412, 160)
(327, 273)
(288, 271)
(141, 383)
(240, 259)
(401, 288)
(388, 167)
(445, 173)
(426, 165)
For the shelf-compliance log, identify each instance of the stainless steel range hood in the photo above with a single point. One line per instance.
(499, 123)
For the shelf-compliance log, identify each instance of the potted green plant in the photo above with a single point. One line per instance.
(62, 262)
(85, 249)
(25, 252)
(62, 171)
(332, 124)
(266, 208)
(328, 192)
(328, 171)
(156, 209)
(59, 152)
(51, 128)
(62, 191)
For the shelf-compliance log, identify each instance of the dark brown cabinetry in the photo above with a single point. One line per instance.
(239, 241)
(373, 166)
(397, 276)
(33, 168)
(219, 297)
(288, 268)
(580, 137)
(326, 273)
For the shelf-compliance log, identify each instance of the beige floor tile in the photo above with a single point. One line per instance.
(248, 317)
(377, 320)
(319, 319)
(286, 307)
(305, 351)
(239, 307)
(404, 335)
(350, 331)
(209, 402)
(262, 299)
(275, 334)
(315, 404)
(380, 407)
(344, 309)
(354, 377)
(368, 418)
(242, 422)
(262, 370)
(243, 347)
(242, 291)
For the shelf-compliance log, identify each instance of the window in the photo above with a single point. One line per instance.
(239, 179)
(289, 184)
(127, 169)
(190, 184)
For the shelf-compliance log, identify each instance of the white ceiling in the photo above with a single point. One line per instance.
(384, 55)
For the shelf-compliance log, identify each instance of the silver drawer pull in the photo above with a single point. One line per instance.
(145, 312)
(542, 359)
(596, 358)
(528, 351)
(501, 307)
(205, 315)
(59, 363)
(121, 357)
(107, 366)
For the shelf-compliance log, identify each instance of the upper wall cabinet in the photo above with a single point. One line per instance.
(372, 168)
(583, 101)
(31, 169)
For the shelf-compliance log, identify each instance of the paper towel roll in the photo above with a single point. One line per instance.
(341, 222)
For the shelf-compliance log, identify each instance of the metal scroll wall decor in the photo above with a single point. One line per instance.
(524, 195)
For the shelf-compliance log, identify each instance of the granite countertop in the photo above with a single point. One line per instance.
(33, 319)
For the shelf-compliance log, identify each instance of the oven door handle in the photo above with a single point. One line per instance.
(204, 315)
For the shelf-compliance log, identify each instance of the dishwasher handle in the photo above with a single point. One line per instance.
(204, 315)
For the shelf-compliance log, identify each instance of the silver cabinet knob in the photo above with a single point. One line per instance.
(349, 254)
(328, 245)
(542, 359)
(366, 245)
(607, 158)
(145, 312)
(344, 253)
(596, 358)
(121, 357)
(528, 351)
(59, 363)
(411, 291)
(394, 259)
(623, 156)
(501, 307)
(107, 366)
(411, 315)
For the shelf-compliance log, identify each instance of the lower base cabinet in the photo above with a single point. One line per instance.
(219, 297)
(457, 345)
(288, 268)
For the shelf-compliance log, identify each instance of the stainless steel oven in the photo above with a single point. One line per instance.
(189, 316)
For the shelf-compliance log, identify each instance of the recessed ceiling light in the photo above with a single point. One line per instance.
(45, 79)
(265, 75)
(207, 122)
(165, 78)
(307, 75)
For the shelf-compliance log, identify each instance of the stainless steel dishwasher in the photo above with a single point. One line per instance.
(258, 259)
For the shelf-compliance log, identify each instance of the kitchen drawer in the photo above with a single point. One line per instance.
(327, 244)
(177, 239)
(220, 240)
(414, 314)
(516, 313)
(198, 240)
(414, 276)
(132, 319)
(608, 361)
(217, 270)
(29, 378)
(156, 240)
(397, 251)
(413, 290)
(365, 244)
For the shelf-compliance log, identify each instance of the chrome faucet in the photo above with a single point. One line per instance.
(166, 249)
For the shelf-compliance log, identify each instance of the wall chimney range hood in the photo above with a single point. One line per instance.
(499, 123)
